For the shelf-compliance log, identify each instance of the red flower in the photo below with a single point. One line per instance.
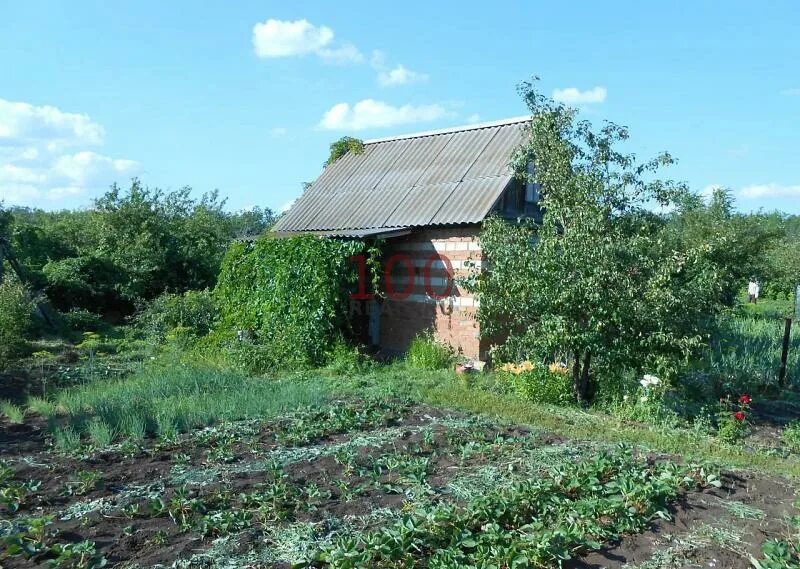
(739, 416)
(744, 400)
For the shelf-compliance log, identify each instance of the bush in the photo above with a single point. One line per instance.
(16, 309)
(190, 313)
(284, 302)
(83, 321)
(540, 384)
(426, 353)
(791, 436)
(344, 359)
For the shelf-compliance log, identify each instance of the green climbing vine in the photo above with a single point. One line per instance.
(284, 302)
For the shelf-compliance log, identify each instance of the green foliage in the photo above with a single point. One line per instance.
(174, 399)
(16, 310)
(745, 353)
(425, 352)
(11, 412)
(193, 311)
(131, 246)
(601, 285)
(530, 524)
(82, 320)
(41, 406)
(734, 244)
(540, 384)
(342, 146)
(344, 359)
(100, 434)
(286, 299)
(791, 436)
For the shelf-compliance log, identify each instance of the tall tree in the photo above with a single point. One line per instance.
(601, 286)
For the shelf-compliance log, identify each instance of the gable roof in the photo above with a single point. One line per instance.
(439, 177)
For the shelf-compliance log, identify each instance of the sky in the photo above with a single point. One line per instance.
(246, 97)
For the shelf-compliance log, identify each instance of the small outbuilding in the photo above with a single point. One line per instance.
(426, 195)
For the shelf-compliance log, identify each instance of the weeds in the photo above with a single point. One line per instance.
(13, 413)
(428, 354)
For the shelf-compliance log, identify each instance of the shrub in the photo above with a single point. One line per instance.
(791, 436)
(733, 419)
(287, 298)
(16, 308)
(426, 353)
(540, 384)
(80, 320)
(191, 313)
(345, 359)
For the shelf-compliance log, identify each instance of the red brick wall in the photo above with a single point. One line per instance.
(453, 317)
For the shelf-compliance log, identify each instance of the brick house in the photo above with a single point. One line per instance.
(426, 195)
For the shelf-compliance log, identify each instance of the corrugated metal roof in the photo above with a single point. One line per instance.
(437, 178)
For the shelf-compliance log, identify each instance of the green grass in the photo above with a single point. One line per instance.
(41, 406)
(178, 399)
(13, 413)
(428, 354)
(746, 353)
(479, 395)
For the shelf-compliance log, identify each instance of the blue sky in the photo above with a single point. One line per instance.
(246, 96)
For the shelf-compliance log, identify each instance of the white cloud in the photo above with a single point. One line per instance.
(285, 207)
(347, 53)
(791, 92)
(26, 124)
(283, 38)
(473, 118)
(394, 76)
(400, 75)
(35, 164)
(276, 38)
(574, 96)
(760, 191)
(708, 192)
(89, 168)
(370, 113)
(278, 131)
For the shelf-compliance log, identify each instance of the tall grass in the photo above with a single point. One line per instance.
(13, 413)
(176, 399)
(746, 353)
(428, 354)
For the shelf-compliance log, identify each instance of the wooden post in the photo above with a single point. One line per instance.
(787, 336)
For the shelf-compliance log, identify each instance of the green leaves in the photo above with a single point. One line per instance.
(291, 295)
(532, 524)
(602, 286)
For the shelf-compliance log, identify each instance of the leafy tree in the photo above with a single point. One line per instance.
(601, 286)
(16, 309)
(342, 146)
(133, 245)
(735, 244)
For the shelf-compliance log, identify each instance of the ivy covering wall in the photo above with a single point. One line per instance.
(285, 302)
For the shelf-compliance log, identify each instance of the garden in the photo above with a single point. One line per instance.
(197, 395)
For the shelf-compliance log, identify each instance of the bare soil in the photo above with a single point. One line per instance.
(116, 513)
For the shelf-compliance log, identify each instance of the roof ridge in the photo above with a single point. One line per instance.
(452, 129)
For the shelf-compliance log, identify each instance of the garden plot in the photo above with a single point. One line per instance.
(363, 484)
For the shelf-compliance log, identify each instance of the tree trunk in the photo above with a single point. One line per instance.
(580, 376)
